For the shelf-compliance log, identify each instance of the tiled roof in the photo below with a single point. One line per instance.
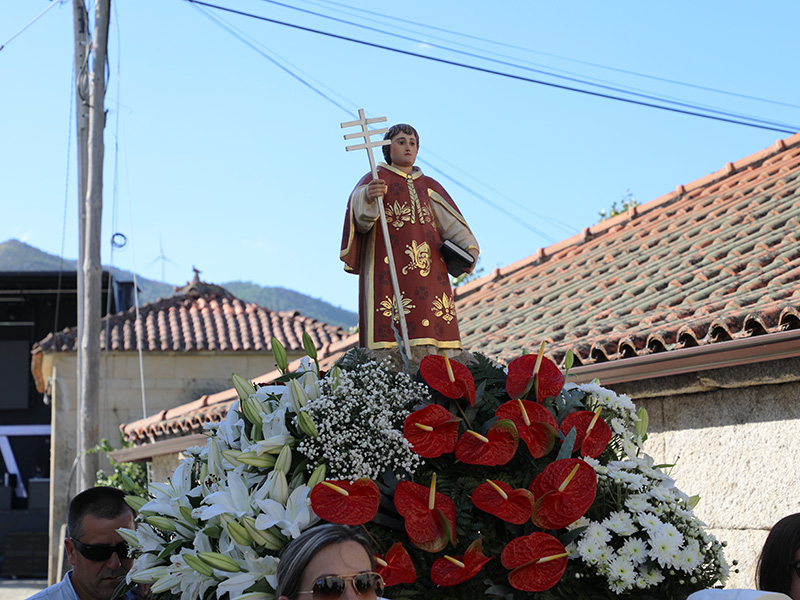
(715, 260)
(213, 322)
(190, 418)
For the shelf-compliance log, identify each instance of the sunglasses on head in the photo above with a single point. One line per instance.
(333, 587)
(101, 552)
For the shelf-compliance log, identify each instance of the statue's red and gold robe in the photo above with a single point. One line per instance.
(420, 215)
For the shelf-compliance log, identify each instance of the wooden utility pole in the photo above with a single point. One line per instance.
(90, 203)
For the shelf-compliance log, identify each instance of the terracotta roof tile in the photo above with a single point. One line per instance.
(186, 323)
(715, 260)
(190, 418)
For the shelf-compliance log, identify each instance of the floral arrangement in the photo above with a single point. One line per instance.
(474, 480)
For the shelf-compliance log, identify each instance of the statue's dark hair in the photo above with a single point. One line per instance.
(774, 568)
(393, 131)
(101, 502)
(298, 553)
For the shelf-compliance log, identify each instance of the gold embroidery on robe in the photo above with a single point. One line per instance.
(388, 307)
(424, 212)
(397, 214)
(420, 256)
(445, 308)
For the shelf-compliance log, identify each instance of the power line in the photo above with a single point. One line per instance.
(549, 73)
(565, 58)
(499, 73)
(31, 22)
(241, 37)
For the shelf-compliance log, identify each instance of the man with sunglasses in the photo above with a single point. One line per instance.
(97, 553)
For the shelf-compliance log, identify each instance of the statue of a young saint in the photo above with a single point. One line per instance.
(420, 216)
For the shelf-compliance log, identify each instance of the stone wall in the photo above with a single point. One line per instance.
(171, 379)
(734, 436)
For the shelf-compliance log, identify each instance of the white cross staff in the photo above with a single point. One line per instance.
(369, 145)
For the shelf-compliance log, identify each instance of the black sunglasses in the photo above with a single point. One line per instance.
(333, 587)
(101, 552)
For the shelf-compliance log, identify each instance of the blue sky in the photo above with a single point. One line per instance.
(219, 156)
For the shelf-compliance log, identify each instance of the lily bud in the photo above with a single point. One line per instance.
(305, 423)
(317, 476)
(279, 489)
(243, 387)
(162, 523)
(642, 423)
(135, 502)
(284, 462)
(279, 352)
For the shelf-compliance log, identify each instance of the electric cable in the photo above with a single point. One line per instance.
(233, 31)
(494, 72)
(549, 73)
(556, 56)
(31, 22)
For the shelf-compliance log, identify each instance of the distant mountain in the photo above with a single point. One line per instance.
(19, 256)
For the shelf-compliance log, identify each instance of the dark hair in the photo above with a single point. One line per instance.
(774, 568)
(298, 553)
(101, 502)
(393, 131)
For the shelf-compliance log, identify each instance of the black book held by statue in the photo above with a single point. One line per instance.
(456, 258)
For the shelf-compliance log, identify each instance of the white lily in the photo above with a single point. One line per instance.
(192, 584)
(291, 519)
(254, 568)
(276, 435)
(296, 395)
(233, 499)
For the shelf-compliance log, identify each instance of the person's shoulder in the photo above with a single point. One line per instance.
(57, 591)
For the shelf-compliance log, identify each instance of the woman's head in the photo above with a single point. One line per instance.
(777, 569)
(336, 552)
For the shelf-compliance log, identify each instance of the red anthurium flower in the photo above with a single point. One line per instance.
(593, 433)
(497, 447)
(537, 562)
(452, 570)
(448, 377)
(564, 491)
(346, 502)
(549, 379)
(430, 516)
(396, 567)
(535, 424)
(432, 431)
(501, 500)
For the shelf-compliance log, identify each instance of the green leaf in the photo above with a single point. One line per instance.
(567, 445)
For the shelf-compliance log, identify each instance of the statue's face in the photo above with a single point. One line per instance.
(403, 150)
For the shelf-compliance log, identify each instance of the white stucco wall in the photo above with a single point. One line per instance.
(734, 436)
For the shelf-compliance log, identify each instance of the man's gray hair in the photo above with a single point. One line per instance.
(298, 553)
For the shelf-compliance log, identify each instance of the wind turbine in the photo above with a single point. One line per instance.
(162, 257)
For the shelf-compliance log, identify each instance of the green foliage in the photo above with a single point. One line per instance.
(129, 477)
(627, 202)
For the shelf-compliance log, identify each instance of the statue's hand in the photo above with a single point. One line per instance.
(375, 189)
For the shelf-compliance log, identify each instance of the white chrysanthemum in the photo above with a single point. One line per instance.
(635, 550)
(590, 550)
(621, 573)
(620, 523)
(596, 532)
(637, 503)
(649, 521)
(652, 576)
